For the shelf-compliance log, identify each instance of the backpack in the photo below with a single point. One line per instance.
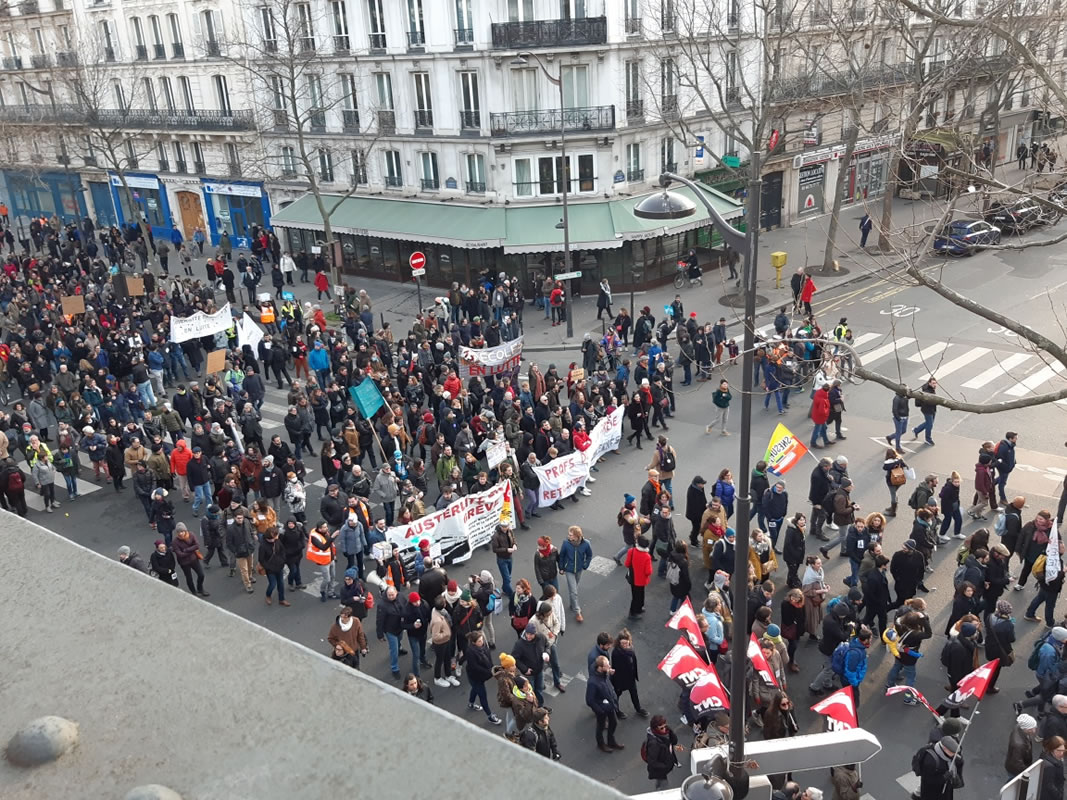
(1034, 660)
(959, 575)
(828, 502)
(15, 482)
(945, 652)
(1001, 524)
(493, 605)
(218, 269)
(674, 574)
(962, 553)
(667, 461)
(424, 433)
(837, 660)
(917, 759)
(1038, 570)
(913, 501)
(644, 751)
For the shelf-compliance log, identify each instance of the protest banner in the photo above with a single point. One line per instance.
(839, 710)
(460, 528)
(248, 332)
(682, 664)
(605, 436)
(496, 453)
(784, 451)
(182, 329)
(708, 693)
(73, 305)
(561, 478)
(366, 397)
(505, 357)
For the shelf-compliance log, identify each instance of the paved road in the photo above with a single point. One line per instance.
(972, 360)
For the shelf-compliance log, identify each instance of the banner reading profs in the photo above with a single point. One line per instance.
(564, 476)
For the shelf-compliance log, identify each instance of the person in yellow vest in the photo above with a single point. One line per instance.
(267, 317)
(322, 551)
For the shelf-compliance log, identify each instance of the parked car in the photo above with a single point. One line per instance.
(1016, 217)
(1058, 194)
(964, 237)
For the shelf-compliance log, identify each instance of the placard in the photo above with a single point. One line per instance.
(490, 360)
(135, 286)
(73, 305)
(216, 361)
(577, 374)
(496, 453)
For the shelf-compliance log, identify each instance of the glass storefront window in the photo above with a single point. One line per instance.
(237, 214)
(149, 206)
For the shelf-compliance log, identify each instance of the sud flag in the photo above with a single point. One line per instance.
(911, 691)
(784, 451)
(839, 710)
(708, 693)
(755, 655)
(977, 682)
(682, 664)
(685, 619)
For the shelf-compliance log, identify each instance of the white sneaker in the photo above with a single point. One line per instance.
(452, 681)
(591, 479)
(586, 492)
(441, 682)
(458, 672)
(834, 526)
(960, 536)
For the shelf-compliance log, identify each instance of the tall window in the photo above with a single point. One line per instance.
(550, 175)
(339, 14)
(633, 163)
(180, 164)
(270, 33)
(107, 38)
(428, 165)
(383, 84)
(359, 167)
(634, 106)
(668, 87)
(166, 91)
(666, 150)
(520, 10)
(149, 94)
(475, 173)
(394, 175)
(349, 102)
(233, 162)
(222, 94)
(158, 48)
(376, 18)
(464, 22)
(572, 9)
(470, 116)
(164, 159)
(576, 86)
(136, 32)
(667, 20)
(131, 153)
(198, 157)
(524, 86)
(116, 89)
(176, 46)
(325, 165)
(423, 100)
(288, 159)
(210, 29)
(187, 94)
(416, 25)
(305, 26)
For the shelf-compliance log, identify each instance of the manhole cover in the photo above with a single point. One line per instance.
(737, 300)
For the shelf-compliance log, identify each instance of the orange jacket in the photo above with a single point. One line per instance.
(179, 457)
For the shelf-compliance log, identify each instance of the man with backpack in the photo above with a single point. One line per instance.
(849, 661)
(940, 769)
(665, 461)
(1046, 661)
(922, 493)
(836, 628)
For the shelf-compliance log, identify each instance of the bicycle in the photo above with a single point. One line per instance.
(681, 276)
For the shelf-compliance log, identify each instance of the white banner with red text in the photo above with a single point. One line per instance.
(564, 476)
(505, 357)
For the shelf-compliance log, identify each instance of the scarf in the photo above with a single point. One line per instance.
(346, 628)
(812, 575)
(545, 551)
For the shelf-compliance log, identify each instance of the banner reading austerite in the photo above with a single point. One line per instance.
(490, 360)
(182, 329)
(564, 476)
(457, 530)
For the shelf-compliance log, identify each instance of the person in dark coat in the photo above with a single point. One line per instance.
(793, 548)
(661, 749)
(679, 558)
(272, 560)
(132, 559)
(963, 602)
(1052, 768)
(696, 502)
(539, 737)
(940, 769)
(625, 675)
(907, 567)
(163, 563)
(1020, 753)
(999, 640)
(601, 697)
(876, 595)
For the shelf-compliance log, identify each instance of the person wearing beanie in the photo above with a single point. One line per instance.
(515, 695)
(354, 593)
(630, 521)
(999, 630)
(163, 563)
(531, 654)
(1020, 754)
(417, 623)
(452, 595)
(940, 769)
(132, 559)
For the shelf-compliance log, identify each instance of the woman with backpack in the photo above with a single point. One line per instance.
(678, 574)
(895, 477)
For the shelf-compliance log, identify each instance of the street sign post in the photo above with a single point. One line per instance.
(417, 262)
(800, 753)
(566, 276)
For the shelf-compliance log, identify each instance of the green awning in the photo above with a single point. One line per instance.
(532, 229)
(394, 218)
(630, 227)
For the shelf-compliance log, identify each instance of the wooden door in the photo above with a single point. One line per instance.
(191, 211)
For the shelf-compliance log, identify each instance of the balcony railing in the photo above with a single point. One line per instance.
(733, 21)
(387, 122)
(12, 62)
(159, 52)
(181, 166)
(732, 95)
(29, 7)
(463, 37)
(633, 26)
(668, 23)
(430, 184)
(133, 162)
(213, 49)
(233, 169)
(350, 119)
(140, 52)
(635, 175)
(178, 50)
(89, 160)
(394, 181)
(39, 60)
(416, 40)
(164, 166)
(470, 119)
(281, 119)
(377, 41)
(521, 123)
(669, 106)
(63, 158)
(424, 118)
(670, 166)
(971, 65)
(133, 118)
(340, 43)
(307, 44)
(635, 110)
(475, 187)
(66, 58)
(199, 168)
(109, 54)
(317, 121)
(549, 33)
(826, 84)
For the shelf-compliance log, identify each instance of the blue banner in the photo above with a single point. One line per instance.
(366, 397)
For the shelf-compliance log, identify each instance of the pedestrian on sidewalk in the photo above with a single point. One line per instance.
(1020, 155)
(895, 477)
(603, 300)
(807, 292)
(866, 223)
(796, 283)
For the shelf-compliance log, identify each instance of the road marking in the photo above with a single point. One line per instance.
(909, 782)
(1027, 385)
(863, 338)
(960, 362)
(881, 440)
(927, 353)
(602, 566)
(1011, 362)
(36, 502)
(884, 350)
(565, 680)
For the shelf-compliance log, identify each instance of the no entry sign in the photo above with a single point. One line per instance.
(417, 260)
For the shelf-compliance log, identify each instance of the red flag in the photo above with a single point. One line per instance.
(759, 662)
(708, 692)
(839, 707)
(685, 619)
(977, 682)
(911, 690)
(682, 664)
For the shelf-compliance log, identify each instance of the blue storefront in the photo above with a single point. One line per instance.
(45, 194)
(149, 199)
(235, 208)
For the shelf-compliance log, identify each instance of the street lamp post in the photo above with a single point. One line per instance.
(522, 59)
(668, 205)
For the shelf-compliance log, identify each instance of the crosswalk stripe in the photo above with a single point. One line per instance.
(994, 372)
(281, 411)
(1030, 383)
(36, 502)
(927, 353)
(863, 338)
(959, 362)
(885, 349)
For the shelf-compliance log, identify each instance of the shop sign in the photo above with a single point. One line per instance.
(235, 189)
(136, 182)
(877, 143)
(811, 189)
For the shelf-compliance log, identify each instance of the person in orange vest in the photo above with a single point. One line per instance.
(322, 552)
(3, 212)
(266, 317)
(392, 570)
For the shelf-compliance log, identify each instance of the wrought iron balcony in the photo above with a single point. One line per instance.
(89, 160)
(281, 119)
(732, 95)
(463, 37)
(633, 26)
(132, 118)
(669, 106)
(159, 52)
(40, 60)
(424, 118)
(387, 122)
(430, 184)
(317, 121)
(181, 166)
(826, 84)
(377, 41)
(350, 119)
(307, 44)
(199, 168)
(178, 49)
(63, 158)
(394, 181)
(670, 166)
(635, 175)
(470, 119)
(635, 110)
(523, 123)
(12, 62)
(549, 33)
(416, 40)
(28, 7)
(164, 166)
(212, 49)
(66, 58)
(340, 43)
(475, 187)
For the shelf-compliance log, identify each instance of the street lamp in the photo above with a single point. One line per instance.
(522, 60)
(669, 205)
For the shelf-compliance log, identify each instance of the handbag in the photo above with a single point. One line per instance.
(909, 473)
(897, 477)
(789, 631)
(260, 570)
(520, 623)
(839, 407)
(368, 601)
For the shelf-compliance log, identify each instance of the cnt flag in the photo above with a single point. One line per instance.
(682, 664)
(977, 682)
(839, 709)
(708, 692)
(784, 451)
(755, 655)
(685, 619)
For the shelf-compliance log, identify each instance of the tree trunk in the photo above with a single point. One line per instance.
(839, 196)
(911, 124)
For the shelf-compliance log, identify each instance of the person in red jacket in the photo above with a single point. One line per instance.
(820, 414)
(639, 565)
(806, 293)
(179, 460)
(322, 285)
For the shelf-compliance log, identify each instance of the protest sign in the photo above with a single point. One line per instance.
(561, 478)
(135, 286)
(73, 304)
(366, 397)
(605, 436)
(784, 451)
(248, 332)
(216, 362)
(182, 329)
(490, 360)
(496, 453)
